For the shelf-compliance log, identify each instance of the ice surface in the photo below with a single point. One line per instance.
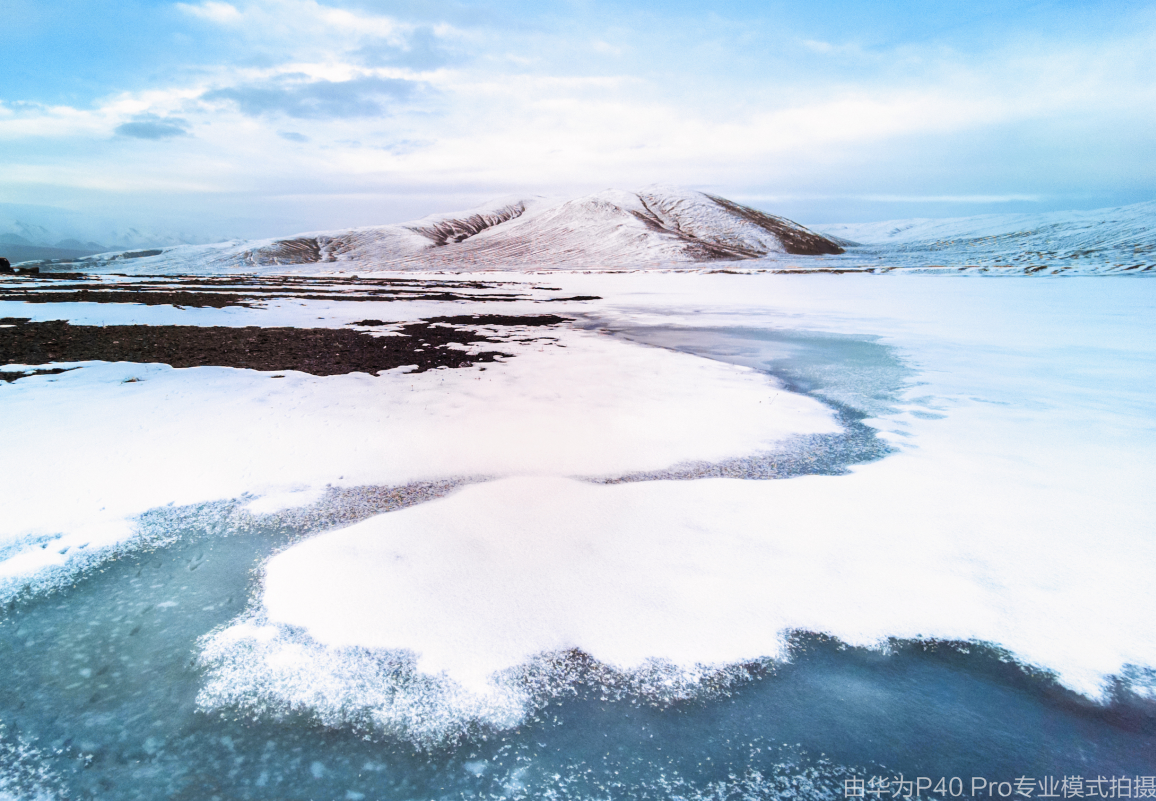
(1015, 512)
(124, 438)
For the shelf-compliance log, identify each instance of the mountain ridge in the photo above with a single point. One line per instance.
(674, 228)
(610, 229)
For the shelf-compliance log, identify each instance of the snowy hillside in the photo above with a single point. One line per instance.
(652, 227)
(1103, 240)
(672, 228)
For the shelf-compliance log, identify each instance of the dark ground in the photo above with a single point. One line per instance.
(319, 351)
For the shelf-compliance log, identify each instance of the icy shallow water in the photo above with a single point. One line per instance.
(101, 681)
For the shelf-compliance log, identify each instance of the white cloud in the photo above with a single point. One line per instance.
(301, 25)
(221, 13)
(817, 46)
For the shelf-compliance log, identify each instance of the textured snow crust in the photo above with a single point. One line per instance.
(1016, 513)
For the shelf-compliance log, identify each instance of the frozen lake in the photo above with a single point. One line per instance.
(715, 536)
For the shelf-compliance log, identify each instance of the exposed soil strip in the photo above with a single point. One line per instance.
(39, 276)
(282, 281)
(222, 291)
(500, 319)
(13, 375)
(216, 300)
(220, 299)
(319, 351)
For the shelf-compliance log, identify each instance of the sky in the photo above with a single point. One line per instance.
(209, 119)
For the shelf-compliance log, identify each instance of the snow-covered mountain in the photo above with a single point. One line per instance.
(612, 229)
(670, 227)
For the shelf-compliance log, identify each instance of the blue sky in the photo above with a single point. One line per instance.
(265, 117)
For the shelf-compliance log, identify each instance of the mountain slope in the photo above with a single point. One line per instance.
(611, 228)
(1109, 239)
(608, 229)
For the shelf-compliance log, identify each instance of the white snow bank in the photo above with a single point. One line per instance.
(259, 665)
(90, 448)
(710, 572)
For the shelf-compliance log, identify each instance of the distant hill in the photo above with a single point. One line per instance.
(34, 233)
(19, 253)
(1115, 239)
(611, 229)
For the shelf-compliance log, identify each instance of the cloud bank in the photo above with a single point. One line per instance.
(290, 114)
